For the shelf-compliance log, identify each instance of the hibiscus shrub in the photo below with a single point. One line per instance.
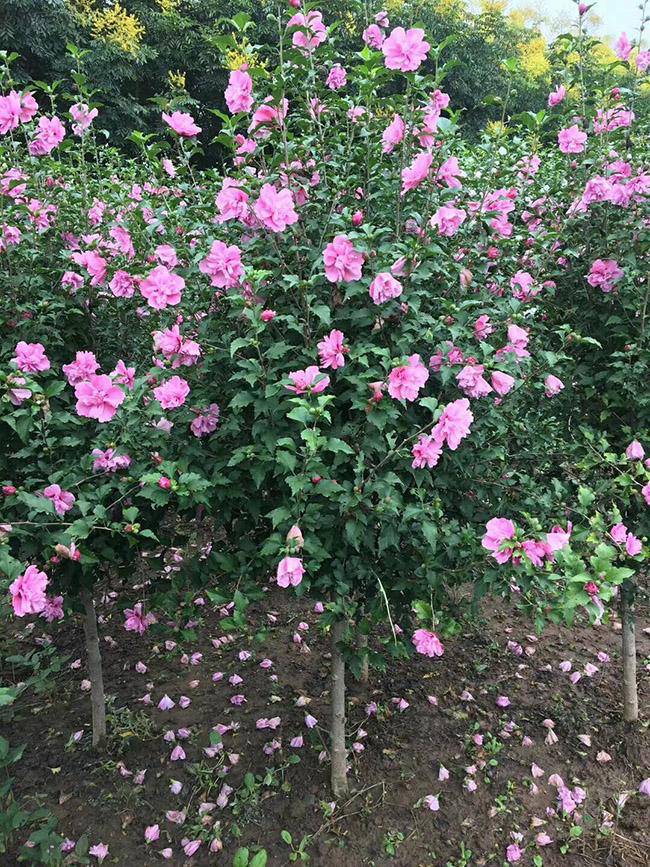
(357, 348)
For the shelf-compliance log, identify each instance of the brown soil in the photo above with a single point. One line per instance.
(398, 767)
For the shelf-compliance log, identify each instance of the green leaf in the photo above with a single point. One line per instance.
(585, 497)
(258, 473)
(148, 534)
(83, 844)
(429, 403)
(430, 533)
(238, 343)
(36, 504)
(323, 312)
(277, 516)
(422, 610)
(286, 460)
(241, 858)
(336, 445)
(301, 414)
(241, 399)
(240, 20)
(286, 836)
(7, 696)
(260, 859)
(9, 566)
(81, 528)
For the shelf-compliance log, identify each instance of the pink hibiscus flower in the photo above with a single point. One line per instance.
(30, 357)
(448, 220)
(405, 382)
(172, 393)
(239, 93)
(63, 501)
(454, 423)
(223, 265)
(290, 571)
(426, 452)
(305, 381)
(343, 263)
(182, 124)
(162, 288)
(384, 287)
(413, 175)
(572, 140)
(98, 398)
(275, 209)
(28, 592)
(405, 49)
(136, 621)
(331, 350)
(498, 531)
(82, 368)
(427, 643)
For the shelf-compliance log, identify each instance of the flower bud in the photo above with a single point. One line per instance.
(295, 535)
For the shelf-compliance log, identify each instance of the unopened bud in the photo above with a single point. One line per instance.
(295, 535)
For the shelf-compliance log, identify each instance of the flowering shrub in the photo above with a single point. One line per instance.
(355, 348)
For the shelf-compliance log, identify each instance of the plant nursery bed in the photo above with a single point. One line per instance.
(494, 750)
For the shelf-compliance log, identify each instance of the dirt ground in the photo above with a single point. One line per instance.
(394, 767)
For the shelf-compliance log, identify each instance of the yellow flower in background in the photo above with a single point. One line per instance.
(394, 5)
(383, 111)
(83, 9)
(533, 59)
(527, 16)
(518, 17)
(235, 58)
(176, 79)
(168, 6)
(451, 8)
(494, 6)
(603, 54)
(496, 129)
(117, 26)
(348, 22)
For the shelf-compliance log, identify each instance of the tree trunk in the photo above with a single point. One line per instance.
(94, 660)
(337, 736)
(362, 646)
(630, 696)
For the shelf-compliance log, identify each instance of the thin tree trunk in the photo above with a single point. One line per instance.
(362, 645)
(97, 698)
(630, 695)
(337, 736)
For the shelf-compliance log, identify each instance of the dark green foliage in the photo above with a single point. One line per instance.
(186, 40)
